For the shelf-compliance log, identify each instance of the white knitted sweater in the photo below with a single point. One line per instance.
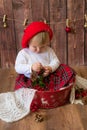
(15, 105)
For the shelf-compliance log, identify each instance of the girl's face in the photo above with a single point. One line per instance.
(39, 42)
(37, 47)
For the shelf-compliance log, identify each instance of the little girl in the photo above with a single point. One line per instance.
(37, 64)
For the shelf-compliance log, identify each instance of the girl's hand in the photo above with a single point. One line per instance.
(37, 67)
(47, 70)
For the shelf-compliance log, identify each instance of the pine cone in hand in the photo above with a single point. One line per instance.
(34, 76)
(37, 79)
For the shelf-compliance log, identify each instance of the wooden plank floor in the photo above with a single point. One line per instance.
(69, 117)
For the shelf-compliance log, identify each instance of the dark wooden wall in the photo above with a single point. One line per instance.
(71, 48)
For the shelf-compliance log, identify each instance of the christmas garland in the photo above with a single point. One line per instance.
(38, 80)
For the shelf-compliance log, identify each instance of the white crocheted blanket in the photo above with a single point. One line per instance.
(15, 105)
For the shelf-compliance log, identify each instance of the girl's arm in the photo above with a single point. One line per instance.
(21, 65)
(54, 61)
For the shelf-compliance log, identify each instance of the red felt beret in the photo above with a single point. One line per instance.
(34, 28)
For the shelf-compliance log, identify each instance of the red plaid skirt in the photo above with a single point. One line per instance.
(62, 77)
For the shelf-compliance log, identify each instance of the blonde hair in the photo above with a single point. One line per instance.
(41, 37)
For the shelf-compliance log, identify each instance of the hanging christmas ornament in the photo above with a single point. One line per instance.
(68, 28)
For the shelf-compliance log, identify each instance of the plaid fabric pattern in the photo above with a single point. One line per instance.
(62, 77)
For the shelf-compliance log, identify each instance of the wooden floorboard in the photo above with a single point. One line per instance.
(68, 117)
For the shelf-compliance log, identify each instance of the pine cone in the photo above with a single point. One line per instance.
(34, 76)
